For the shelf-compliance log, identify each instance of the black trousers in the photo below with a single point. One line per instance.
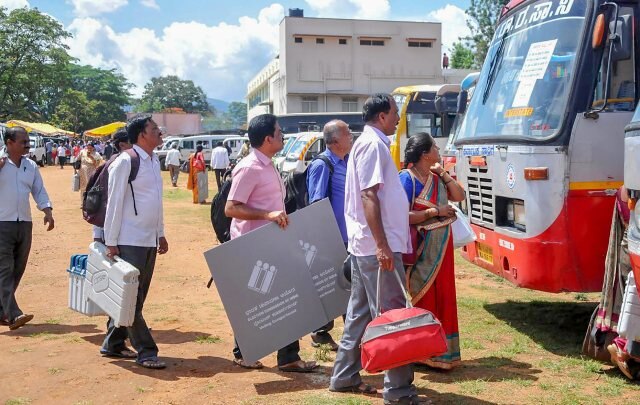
(219, 173)
(286, 355)
(15, 245)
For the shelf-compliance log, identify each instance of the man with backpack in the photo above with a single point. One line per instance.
(134, 230)
(256, 198)
(326, 178)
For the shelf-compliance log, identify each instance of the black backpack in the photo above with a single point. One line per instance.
(296, 187)
(96, 196)
(221, 223)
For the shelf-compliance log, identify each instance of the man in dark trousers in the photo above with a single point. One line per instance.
(134, 230)
(19, 177)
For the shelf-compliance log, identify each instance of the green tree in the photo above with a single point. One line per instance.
(237, 113)
(75, 112)
(172, 92)
(107, 88)
(483, 15)
(33, 64)
(461, 57)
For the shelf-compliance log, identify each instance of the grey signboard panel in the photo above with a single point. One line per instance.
(279, 285)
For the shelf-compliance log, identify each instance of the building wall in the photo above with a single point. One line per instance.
(177, 124)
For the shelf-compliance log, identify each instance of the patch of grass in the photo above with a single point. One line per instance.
(545, 386)
(471, 344)
(493, 277)
(322, 353)
(54, 370)
(608, 390)
(142, 390)
(53, 321)
(170, 319)
(519, 345)
(520, 382)
(176, 194)
(17, 401)
(45, 335)
(208, 339)
(582, 297)
(74, 339)
(470, 303)
(322, 400)
(494, 362)
(472, 387)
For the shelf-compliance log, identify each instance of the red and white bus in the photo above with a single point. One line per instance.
(540, 146)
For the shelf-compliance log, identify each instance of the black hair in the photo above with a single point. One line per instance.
(11, 133)
(136, 125)
(417, 144)
(218, 144)
(199, 148)
(119, 137)
(260, 127)
(374, 105)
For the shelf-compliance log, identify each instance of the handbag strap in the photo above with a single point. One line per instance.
(404, 291)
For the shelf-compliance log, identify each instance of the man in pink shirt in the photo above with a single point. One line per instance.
(377, 218)
(256, 198)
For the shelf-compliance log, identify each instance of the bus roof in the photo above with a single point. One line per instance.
(439, 89)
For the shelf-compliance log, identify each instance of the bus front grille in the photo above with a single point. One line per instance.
(480, 191)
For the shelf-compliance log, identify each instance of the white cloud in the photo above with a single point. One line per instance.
(150, 4)
(13, 4)
(362, 9)
(221, 59)
(89, 8)
(454, 24)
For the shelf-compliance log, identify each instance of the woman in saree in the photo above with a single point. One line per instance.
(430, 276)
(198, 181)
(90, 160)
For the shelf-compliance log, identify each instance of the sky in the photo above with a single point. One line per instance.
(220, 45)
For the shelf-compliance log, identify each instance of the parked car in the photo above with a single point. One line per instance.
(37, 151)
(306, 147)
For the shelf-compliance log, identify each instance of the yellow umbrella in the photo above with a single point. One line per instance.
(45, 129)
(105, 130)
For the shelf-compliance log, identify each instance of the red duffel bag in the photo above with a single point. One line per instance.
(401, 336)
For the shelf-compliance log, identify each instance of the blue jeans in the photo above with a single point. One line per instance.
(398, 382)
(144, 259)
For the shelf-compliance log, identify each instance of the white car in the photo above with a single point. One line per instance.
(305, 148)
(37, 151)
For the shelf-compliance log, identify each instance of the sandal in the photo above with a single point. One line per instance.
(362, 388)
(253, 366)
(122, 354)
(20, 321)
(152, 363)
(4, 322)
(299, 367)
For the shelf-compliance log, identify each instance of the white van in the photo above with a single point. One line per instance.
(235, 145)
(37, 151)
(278, 158)
(302, 151)
(187, 146)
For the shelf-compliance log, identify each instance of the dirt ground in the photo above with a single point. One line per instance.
(55, 359)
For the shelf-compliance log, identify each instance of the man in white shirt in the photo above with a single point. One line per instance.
(134, 230)
(19, 177)
(172, 162)
(62, 155)
(219, 161)
(377, 219)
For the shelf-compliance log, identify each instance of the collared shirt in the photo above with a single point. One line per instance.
(256, 183)
(173, 157)
(318, 176)
(219, 158)
(16, 183)
(48, 146)
(62, 151)
(122, 226)
(370, 163)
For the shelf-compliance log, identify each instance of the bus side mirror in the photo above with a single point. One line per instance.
(463, 96)
(623, 41)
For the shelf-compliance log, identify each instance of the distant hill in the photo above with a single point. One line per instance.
(219, 105)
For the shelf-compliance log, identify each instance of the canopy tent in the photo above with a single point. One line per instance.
(44, 129)
(105, 130)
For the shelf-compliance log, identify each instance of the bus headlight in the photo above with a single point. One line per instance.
(510, 212)
(518, 210)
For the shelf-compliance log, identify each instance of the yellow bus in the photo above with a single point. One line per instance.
(424, 108)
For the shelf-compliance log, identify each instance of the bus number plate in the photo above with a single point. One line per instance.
(485, 253)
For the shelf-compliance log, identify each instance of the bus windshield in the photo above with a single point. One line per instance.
(296, 149)
(524, 85)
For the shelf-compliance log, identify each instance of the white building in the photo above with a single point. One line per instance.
(333, 65)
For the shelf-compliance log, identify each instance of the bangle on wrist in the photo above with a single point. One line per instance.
(437, 212)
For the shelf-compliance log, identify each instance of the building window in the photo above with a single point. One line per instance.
(342, 41)
(298, 40)
(319, 40)
(350, 104)
(420, 44)
(371, 42)
(309, 104)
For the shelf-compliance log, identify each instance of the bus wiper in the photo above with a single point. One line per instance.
(493, 68)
